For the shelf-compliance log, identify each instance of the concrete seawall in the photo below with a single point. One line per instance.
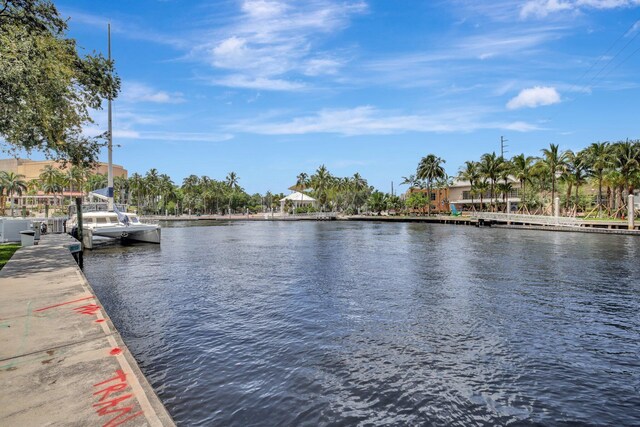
(62, 362)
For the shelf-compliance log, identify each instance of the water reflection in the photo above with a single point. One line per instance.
(345, 323)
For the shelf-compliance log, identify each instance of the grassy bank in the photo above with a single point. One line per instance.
(6, 252)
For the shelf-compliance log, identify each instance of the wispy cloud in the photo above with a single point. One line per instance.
(367, 120)
(270, 41)
(172, 136)
(534, 97)
(140, 92)
(259, 83)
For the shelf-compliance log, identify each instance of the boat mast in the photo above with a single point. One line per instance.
(110, 141)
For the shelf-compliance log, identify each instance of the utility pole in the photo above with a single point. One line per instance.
(503, 146)
(392, 188)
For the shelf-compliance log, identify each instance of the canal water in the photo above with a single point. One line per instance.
(343, 323)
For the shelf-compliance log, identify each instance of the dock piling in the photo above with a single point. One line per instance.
(631, 213)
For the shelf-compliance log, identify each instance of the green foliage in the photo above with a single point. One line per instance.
(46, 87)
(6, 252)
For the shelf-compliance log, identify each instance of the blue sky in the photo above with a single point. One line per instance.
(269, 89)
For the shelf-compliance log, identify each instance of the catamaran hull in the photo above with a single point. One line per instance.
(147, 234)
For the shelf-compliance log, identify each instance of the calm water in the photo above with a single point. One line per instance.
(329, 323)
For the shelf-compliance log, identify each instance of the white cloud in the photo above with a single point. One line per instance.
(140, 92)
(543, 8)
(260, 83)
(534, 97)
(271, 39)
(173, 136)
(367, 120)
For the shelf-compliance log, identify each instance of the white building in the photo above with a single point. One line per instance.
(460, 195)
(298, 199)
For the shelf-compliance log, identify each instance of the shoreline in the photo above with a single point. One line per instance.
(583, 226)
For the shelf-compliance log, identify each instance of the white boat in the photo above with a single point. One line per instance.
(107, 224)
(111, 222)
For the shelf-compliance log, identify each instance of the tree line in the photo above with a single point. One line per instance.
(614, 167)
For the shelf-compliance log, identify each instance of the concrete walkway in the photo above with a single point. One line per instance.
(61, 360)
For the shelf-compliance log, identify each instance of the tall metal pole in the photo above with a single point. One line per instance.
(110, 143)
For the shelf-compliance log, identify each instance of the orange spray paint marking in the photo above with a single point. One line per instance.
(64, 303)
(115, 351)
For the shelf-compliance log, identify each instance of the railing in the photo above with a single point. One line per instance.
(529, 219)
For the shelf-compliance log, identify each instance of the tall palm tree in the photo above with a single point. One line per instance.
(151, 183)
(358, 187)
(556, 160)
(302, 182)
(627, 160)
(430, 169)
(579, 171)
(490, 169)
(52, 180)
(136, 186)
(599, 160)
(321, 182)
(470, 172)
(190, 186)
(481, 186)
(521, 169)
(12, 183)
(232, 184)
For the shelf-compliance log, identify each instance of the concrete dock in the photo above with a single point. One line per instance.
(62, 362)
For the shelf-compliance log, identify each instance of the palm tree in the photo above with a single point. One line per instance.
(504, 188)
(490, 169)
(358, 186)
(321, 182)
(52, 180)
(556, 161)
(599, 159)
(430, 168)
(232, 184)
(190, 186)
(12, 183)
(151, 183)
(410, 180)
(627, 159)
(302, 182)
(580, 171)
(470, 172)
(521, 169)
(167, 190)
(481, 186)
(136, 186)
(377, 202)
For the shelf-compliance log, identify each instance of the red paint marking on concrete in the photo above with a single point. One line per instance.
(99, 320)
(64, 303)
(120, 375)
(87, 309)
(109, 390)
(115, 351)
(107, 407)
(113, 422)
